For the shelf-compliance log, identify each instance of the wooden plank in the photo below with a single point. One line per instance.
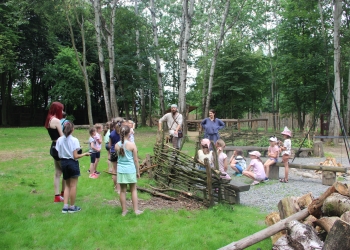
(239, 186)
(315, 167)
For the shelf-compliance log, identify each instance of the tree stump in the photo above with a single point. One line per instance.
(338, 237)
(305, 200)
(326, 223)
(328, 178)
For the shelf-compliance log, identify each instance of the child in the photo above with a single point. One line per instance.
(255, 169)
(203, 153)
(272, 153)
(286, 149)
(64, 120)
(67, 147)
(114, 137)
(131, 125)
(237, 162)
(106, 133)
(94, 153)
(222, 159)
(98, 139)
(128, 169)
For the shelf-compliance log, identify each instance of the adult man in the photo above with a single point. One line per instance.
(174, 122)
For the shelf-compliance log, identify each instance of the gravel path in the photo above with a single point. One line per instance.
(266, 196)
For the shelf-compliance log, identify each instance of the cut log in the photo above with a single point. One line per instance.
(267, 232)
(300, 236)
(338, 237)
(310, 220)
(341, 188)
(305, 200)
(272, 219)
(336, 204)
(326, 223)
(315, 206)
(288, 206)
(346, 216)
(156, 193)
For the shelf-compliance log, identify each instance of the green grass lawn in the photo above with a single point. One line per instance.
(31, 220)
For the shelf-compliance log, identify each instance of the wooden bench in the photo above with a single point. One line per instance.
(328, 172)
(238, 187)
(303, 152)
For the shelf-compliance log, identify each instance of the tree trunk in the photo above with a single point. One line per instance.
(347, 120)
(98, 29)
(325, 43)
(139, 66)
(111, 57)
(336, 204)
(206, 48)
(334, 121)
(159, 74)
(82, 64)
(338, 237)
(6, 87)
(215, 56)
(300, 236)
(188, 8)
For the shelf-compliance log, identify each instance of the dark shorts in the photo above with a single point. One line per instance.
(114, 157)
(70, 168)
(107, 146)
(53, 151)
(94, 156)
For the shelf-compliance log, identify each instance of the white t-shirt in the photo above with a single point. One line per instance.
(65, 146)
(202, 156)
(288, 145)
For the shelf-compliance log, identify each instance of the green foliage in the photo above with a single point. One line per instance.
(263, 141)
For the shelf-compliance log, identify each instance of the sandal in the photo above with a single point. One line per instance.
(125, 213)
(283, 180)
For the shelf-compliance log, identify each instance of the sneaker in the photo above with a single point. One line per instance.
(239, 175)
(64, 210)
(93, 176)
(266, 179)
(96, 172)
(73, 210)
(88, 171)
(58, 198)
(138, 212)
(255, 183)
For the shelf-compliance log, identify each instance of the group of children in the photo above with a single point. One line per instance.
(123, 164)
(257, 170)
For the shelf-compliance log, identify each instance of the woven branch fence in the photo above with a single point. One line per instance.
(177, 170)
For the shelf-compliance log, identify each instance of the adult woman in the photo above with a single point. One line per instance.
(211, 126)
(54, 128)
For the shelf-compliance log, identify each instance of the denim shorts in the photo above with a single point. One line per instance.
(94, 156)
(274, 159)
(239, 168)
(70, 168)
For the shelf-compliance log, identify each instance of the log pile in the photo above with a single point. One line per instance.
(307, 223)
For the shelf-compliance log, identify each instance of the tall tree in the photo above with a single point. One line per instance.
(101, 61)
(334, 121)
(159, 74)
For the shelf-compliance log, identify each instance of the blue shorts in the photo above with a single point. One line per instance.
(239, 168)
(273, 159)
(70, 168)
(94, 156)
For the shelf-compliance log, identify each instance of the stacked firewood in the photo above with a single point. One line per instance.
(307, 223)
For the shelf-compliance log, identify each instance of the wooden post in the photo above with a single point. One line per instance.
(148, 164)
(209, 183)
(328, 178)
(274, 172)
(318, 149)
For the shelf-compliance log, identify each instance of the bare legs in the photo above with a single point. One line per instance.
(114, 177)
(285, 159)
(70, 192)
(122, 198)
(267, 165)
(57, 178)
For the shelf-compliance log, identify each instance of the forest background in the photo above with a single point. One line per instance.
(104, 59)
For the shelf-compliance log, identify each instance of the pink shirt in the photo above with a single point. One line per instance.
(274, 149)
(96, 137)
(221, 160)
(258, 169)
